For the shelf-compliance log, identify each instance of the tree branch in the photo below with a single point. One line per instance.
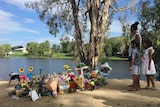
(120, 9)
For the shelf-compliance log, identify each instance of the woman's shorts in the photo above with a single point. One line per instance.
(135, 70)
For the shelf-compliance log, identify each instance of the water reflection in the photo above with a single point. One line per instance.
(7, 65)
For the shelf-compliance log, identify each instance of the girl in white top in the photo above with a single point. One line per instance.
(148, 66)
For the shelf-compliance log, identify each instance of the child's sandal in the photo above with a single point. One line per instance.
(147, 87)
(153, 88)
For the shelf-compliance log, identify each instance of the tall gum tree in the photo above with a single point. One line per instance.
(149, 16)
(78, 16)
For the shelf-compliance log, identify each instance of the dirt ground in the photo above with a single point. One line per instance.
(114, 94)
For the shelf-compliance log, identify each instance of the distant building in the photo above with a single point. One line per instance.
(22, 49)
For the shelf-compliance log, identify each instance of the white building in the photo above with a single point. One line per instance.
(22, 49)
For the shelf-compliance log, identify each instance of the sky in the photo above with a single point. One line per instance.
(19, 25)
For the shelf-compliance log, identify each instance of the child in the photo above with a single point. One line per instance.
(135, 65)
(148, 67)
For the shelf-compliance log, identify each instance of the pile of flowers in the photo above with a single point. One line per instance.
(80, 78)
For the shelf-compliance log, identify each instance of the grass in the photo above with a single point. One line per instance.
(55, 55)
(59, 55)
(18, 54)
(117, 58)
(62, 55)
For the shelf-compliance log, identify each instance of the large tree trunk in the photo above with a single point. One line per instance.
(98, 17)
(93, 43)
(78, 32)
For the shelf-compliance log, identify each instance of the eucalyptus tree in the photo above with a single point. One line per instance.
(32, 48)
(65, 43)
(41, 49)
(56, 48)
(78, 16)
(68, 44)
(107, 48)
(149, 16)
(126, 32)
(47, 49)
(2, 51)
(5, 49)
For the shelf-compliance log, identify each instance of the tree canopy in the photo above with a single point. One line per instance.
(77, 17)
(5, 49)
(149, 16)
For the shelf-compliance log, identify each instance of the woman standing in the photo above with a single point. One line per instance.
(148, 66)
(136, 36)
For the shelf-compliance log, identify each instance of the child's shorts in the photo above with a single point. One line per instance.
(135, 70)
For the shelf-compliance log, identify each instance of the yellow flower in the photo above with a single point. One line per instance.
(66, 66)
(30, 69)
(21, 69)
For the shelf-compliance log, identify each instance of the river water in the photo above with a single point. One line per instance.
(7, 65)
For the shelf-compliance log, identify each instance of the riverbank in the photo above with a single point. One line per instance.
(60, 56)
(114, 94)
